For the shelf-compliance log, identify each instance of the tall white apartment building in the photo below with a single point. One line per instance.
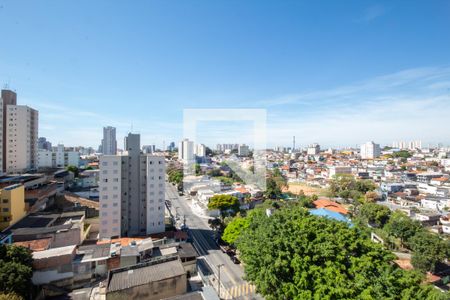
(370, 150)
(411, 145)
(109, 142)
(58, 157)
(200, 150)
(313, 149)
(186, 151)
(22, 138)
(132, 192)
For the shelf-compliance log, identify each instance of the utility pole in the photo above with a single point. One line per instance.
(219, 266)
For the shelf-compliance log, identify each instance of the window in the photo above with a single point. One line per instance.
(5, 209)
(115, 204)
(104, 205)
(5, 201)
(104, 163)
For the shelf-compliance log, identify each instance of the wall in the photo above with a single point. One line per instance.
(153, 291)
(15, 197)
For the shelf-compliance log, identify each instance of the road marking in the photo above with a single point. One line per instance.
(241, 290)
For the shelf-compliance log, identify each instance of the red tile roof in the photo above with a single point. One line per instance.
(330, 205)
(35, 245)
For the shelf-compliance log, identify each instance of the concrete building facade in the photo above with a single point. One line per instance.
(370, 150)
(109, 142)
(22, 137)
(12, 205)
(186, 151)
(132, 191)
(58, 157)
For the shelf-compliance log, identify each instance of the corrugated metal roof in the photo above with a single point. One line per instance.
(140, 275)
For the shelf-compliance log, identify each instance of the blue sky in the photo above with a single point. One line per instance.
(338, 73)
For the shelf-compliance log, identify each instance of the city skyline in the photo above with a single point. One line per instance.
(317, 71)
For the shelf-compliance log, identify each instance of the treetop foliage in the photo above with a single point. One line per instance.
(295, 255)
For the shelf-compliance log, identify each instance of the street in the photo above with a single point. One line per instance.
(232, 284)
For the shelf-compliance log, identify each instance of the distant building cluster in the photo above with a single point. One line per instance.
(412, 145)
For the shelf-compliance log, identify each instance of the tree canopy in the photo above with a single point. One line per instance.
(428, 250)
(375, 214)
(402, 226)
(74, 170)
(15, 270)
(347, 187)
(295, 255)
(224, 203)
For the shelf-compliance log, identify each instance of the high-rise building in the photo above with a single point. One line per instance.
(223, 147)
(109, 142)
(7, 97)
(243, 150)
(313, 149)
(200, 150)
(22, 136)
(132, 192)
(370, 150)
(44, 144)
(411, 145)
(186, 151)
(171, 146)
(149, 149)
(19, 134)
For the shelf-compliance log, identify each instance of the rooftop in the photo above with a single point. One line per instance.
(125, 278)
(330, 205)
(35, 245)
(54, 252)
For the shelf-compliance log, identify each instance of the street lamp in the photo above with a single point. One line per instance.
(219, 266)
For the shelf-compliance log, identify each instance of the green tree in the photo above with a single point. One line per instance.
(402, 226)
(402, 154)
(10, 296)
(375, 214)
(294, 255)
(224, 203)
(273, 191)
(15, 270)
(198, 169)
(74, 170)
(307, 202)
(428, 250)
(347, 187)
(234, 229)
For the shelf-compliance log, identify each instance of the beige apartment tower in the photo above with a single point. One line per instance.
(19, 135)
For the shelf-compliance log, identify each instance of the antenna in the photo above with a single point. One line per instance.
(293, 144)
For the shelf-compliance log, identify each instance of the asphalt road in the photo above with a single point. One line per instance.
(231, 275)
